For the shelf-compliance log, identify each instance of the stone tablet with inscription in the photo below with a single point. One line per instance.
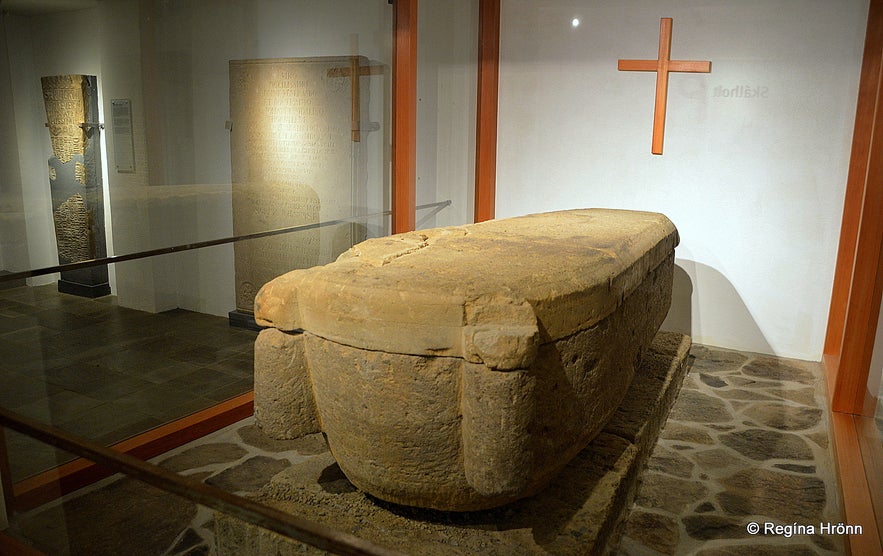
(293, 163)
(74, 171)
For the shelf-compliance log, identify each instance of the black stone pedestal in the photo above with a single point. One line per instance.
(83, 290)
(241, 319)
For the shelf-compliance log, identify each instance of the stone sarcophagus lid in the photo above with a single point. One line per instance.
(461, 368)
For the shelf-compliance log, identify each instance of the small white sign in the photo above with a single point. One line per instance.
(123, 141)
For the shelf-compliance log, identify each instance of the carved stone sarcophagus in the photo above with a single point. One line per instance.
(461, 368)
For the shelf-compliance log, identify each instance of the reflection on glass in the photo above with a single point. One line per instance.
(218, 118)
(107, 372)
(870, 430)
(200, 499)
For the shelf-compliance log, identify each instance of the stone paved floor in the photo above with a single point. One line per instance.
(746, 442)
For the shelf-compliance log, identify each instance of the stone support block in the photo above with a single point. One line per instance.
(283, 391)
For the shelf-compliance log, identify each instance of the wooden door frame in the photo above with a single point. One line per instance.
(858, 282)
(404, 116)
(856, 295)
(486, 118)
(404, 99)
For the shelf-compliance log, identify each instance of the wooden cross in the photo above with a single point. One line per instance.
(662, 66)
(354, 71)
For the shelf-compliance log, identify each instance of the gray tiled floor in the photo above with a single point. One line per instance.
(107, 372)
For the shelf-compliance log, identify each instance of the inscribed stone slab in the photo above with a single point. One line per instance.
(64, 97)
(292, 164)
(74, 172)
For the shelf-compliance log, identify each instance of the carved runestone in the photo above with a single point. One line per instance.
(72, 224)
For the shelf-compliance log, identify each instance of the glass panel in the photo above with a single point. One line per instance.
(138, 125)
(126, 515)
(106, 372)
(870, 427)
(446, 110)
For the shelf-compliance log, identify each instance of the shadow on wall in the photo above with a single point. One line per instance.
(706, 306)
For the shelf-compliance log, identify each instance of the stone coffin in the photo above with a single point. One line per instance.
(462, 368)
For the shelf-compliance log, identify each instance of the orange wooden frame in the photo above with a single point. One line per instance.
(856, 295)
(49, 485)
(404, 125)
(5, 476)
(858, 281)
(486, 120)
(405, 113)
(10, 545)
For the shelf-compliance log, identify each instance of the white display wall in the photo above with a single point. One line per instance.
(753, 172)
(170, 60)
(756, 152)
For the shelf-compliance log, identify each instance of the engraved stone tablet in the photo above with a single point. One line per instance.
(71, 103)
(63, 96)
(71, 218)
(292, 164)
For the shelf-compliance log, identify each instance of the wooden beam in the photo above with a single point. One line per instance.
(404, 102)
(12, 546)
(355, 100)
(866, 285)
(486, 119)
(869, 90)
(5, 477)
(855, 300)
(364, 71)
(74, 475)
(858, 507)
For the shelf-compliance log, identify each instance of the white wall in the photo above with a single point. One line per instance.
(447, 79)
(52, 44)
(171, 61)
(13, 230)
(755, 185)
(31, 142)
(187, 47)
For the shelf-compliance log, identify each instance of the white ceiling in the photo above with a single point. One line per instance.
(36, 7)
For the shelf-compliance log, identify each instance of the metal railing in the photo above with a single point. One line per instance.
(288, 525)
(201, 244)
(247, 510)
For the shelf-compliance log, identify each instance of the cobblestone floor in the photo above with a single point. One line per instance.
(746, 441)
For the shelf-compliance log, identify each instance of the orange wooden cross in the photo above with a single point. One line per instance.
(662, 66)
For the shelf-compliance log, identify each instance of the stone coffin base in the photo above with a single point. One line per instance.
(581, 512)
